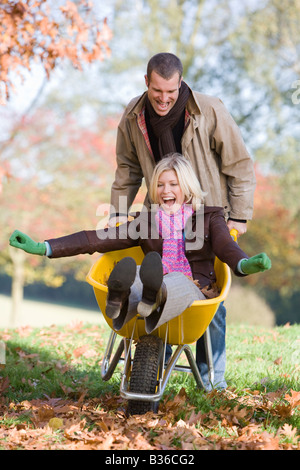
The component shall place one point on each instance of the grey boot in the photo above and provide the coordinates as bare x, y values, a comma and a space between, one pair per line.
154, 289
119, 282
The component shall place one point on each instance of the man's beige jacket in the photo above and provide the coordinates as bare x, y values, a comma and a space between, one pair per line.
211, 141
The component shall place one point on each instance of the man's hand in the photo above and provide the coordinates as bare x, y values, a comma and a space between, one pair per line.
241, 227
24, 242
256, 264
115, 221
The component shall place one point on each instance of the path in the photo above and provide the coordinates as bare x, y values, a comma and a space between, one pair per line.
38, 314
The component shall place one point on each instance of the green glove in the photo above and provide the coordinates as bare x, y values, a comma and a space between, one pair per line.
256, 264
22, 241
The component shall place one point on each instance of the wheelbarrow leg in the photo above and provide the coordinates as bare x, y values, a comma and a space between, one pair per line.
209, 356
108, 366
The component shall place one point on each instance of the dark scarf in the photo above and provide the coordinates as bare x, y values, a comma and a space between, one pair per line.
162, 125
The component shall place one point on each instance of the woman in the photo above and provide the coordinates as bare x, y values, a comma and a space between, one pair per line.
180, 238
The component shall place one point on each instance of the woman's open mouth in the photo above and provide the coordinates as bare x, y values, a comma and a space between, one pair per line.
170, 205
169, 201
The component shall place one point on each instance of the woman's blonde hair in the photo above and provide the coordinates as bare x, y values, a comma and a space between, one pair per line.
187, 179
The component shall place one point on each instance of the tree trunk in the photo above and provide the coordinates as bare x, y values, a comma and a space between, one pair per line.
17, 288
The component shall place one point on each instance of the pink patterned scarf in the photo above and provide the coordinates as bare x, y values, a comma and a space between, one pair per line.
170, 228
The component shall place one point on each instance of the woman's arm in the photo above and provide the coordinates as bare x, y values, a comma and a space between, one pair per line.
228, 251
84, 242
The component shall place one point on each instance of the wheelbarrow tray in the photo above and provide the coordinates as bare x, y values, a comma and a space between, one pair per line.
184, 329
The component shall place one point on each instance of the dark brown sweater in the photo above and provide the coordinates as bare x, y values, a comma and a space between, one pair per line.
212, 239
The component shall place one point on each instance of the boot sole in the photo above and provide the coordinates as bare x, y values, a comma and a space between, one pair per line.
151, 274
119, 281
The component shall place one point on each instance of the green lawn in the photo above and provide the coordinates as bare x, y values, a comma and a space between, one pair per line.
54, 365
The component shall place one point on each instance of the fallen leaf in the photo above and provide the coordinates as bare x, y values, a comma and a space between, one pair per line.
45, 413
80, 350
294, 398
288, 431
55, 423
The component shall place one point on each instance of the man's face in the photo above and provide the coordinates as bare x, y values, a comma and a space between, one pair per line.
163, 93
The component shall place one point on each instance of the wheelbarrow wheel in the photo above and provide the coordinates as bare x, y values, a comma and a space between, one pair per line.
145, 372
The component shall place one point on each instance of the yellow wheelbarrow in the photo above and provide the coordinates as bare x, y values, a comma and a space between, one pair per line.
145, 375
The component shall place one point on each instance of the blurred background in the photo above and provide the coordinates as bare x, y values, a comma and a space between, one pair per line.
68, 69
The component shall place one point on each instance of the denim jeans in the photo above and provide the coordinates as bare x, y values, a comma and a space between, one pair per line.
217, 330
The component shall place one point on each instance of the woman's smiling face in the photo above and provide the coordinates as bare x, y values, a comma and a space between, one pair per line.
169, 192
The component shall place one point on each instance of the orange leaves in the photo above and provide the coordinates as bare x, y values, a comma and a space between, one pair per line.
34, 32
101, 423
84, 351
293, 398
187, 420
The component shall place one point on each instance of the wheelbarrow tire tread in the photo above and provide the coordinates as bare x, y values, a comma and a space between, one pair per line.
144, 374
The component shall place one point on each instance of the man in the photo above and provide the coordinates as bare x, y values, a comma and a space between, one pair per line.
170, 117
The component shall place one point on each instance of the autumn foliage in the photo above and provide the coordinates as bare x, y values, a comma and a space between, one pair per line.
60, 174
275, 228
63, 424
70, 418
34, 30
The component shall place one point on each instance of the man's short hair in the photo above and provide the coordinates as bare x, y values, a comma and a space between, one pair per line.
164, 64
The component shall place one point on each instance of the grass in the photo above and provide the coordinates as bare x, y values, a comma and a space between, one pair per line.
45, 366
268, 358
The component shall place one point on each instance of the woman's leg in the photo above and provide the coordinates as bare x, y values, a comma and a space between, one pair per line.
134, 298
181, 292
151, 274
119, 282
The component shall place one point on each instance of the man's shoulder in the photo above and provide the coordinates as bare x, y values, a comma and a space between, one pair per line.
213, 209
135, 105
205, 103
